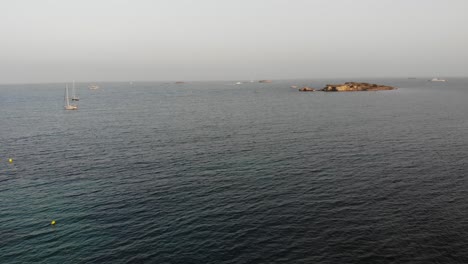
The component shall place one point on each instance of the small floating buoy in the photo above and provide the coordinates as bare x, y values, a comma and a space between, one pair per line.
53, 222
10, 160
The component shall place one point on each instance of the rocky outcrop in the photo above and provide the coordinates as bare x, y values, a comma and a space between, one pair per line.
306, 89
355, 87
265, 81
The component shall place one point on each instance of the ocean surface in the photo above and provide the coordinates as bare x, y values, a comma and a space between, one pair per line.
211, 172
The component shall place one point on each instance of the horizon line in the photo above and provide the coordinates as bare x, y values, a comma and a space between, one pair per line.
225, 80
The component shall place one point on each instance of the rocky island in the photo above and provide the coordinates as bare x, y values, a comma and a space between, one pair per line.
306, 89
355, 87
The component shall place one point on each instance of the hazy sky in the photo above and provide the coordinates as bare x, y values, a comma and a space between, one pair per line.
131, 40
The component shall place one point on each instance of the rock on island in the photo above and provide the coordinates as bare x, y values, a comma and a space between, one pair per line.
306, 89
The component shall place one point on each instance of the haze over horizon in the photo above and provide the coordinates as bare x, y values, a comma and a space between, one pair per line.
122, 40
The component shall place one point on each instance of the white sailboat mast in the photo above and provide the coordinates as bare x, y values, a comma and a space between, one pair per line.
66, 95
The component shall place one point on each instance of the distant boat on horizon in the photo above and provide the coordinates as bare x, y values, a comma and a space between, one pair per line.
68, 106
437, 80
93, 87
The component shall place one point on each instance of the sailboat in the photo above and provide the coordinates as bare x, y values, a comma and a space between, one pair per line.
68, 106
74, 97
437, 80
93, 87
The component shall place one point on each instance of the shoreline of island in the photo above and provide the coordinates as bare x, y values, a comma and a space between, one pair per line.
349, 87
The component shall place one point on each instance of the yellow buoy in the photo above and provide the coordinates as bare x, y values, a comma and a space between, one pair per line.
53, 222
10, 160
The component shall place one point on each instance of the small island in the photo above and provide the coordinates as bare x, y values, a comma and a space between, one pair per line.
355, 87
306, 89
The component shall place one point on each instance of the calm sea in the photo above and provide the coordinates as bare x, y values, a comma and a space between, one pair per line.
210, 172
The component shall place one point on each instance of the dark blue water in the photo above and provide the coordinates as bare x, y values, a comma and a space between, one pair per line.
206, 172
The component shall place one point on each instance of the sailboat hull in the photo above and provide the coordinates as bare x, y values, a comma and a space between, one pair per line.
71, 107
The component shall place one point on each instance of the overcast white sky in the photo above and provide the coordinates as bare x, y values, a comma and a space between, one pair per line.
131, 40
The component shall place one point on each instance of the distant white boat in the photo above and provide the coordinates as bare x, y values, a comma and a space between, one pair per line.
93, 87
237, 83
437, 80
74, 97
68, 106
